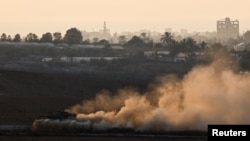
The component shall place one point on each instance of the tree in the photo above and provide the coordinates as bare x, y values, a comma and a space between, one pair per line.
218, 51
188, 45
146, 38
176, 47
95, 40
203, 45
167, 38
246, 36
9, 39
47, 37
122, 39
143, 34
57, 37
245, 61
73, 36
135, 41
17, 38
87, 41
31, 37
104, 42
3, 37
191, 44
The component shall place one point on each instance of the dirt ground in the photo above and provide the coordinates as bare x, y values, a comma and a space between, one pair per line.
25, 95
16, 109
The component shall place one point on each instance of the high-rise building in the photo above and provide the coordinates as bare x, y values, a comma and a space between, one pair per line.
227, 29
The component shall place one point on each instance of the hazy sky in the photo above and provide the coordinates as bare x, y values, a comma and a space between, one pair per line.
40, 16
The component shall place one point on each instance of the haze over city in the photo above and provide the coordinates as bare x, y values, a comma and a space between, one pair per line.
43, 16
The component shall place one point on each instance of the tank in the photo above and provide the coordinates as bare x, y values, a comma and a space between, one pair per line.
60, 115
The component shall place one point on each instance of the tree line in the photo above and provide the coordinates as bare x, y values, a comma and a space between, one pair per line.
72, 36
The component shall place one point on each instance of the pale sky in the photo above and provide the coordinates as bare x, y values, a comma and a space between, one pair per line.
40, 16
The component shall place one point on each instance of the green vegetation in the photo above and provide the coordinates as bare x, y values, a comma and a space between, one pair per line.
131, 59
47, 37
245, 61
73, 36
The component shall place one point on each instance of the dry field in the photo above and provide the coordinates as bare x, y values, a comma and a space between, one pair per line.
25, 96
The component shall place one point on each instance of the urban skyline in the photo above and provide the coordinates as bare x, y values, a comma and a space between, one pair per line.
52, 16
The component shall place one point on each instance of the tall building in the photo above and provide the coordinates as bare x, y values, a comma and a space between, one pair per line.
227, 29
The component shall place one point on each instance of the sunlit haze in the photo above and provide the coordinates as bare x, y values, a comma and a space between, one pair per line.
40, 16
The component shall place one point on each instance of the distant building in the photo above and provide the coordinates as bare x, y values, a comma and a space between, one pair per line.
101, 34
184, 33
168, 30
180, 58
227, 29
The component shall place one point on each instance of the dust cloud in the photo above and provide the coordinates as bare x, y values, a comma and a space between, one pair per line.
211, 94
208, 94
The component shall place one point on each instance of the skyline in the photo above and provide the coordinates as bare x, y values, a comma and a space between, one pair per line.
43, 16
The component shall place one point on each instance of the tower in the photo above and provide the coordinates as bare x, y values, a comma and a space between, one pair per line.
105, 33
104, 28
227, 29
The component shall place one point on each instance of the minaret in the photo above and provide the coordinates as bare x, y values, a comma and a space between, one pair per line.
104, 28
